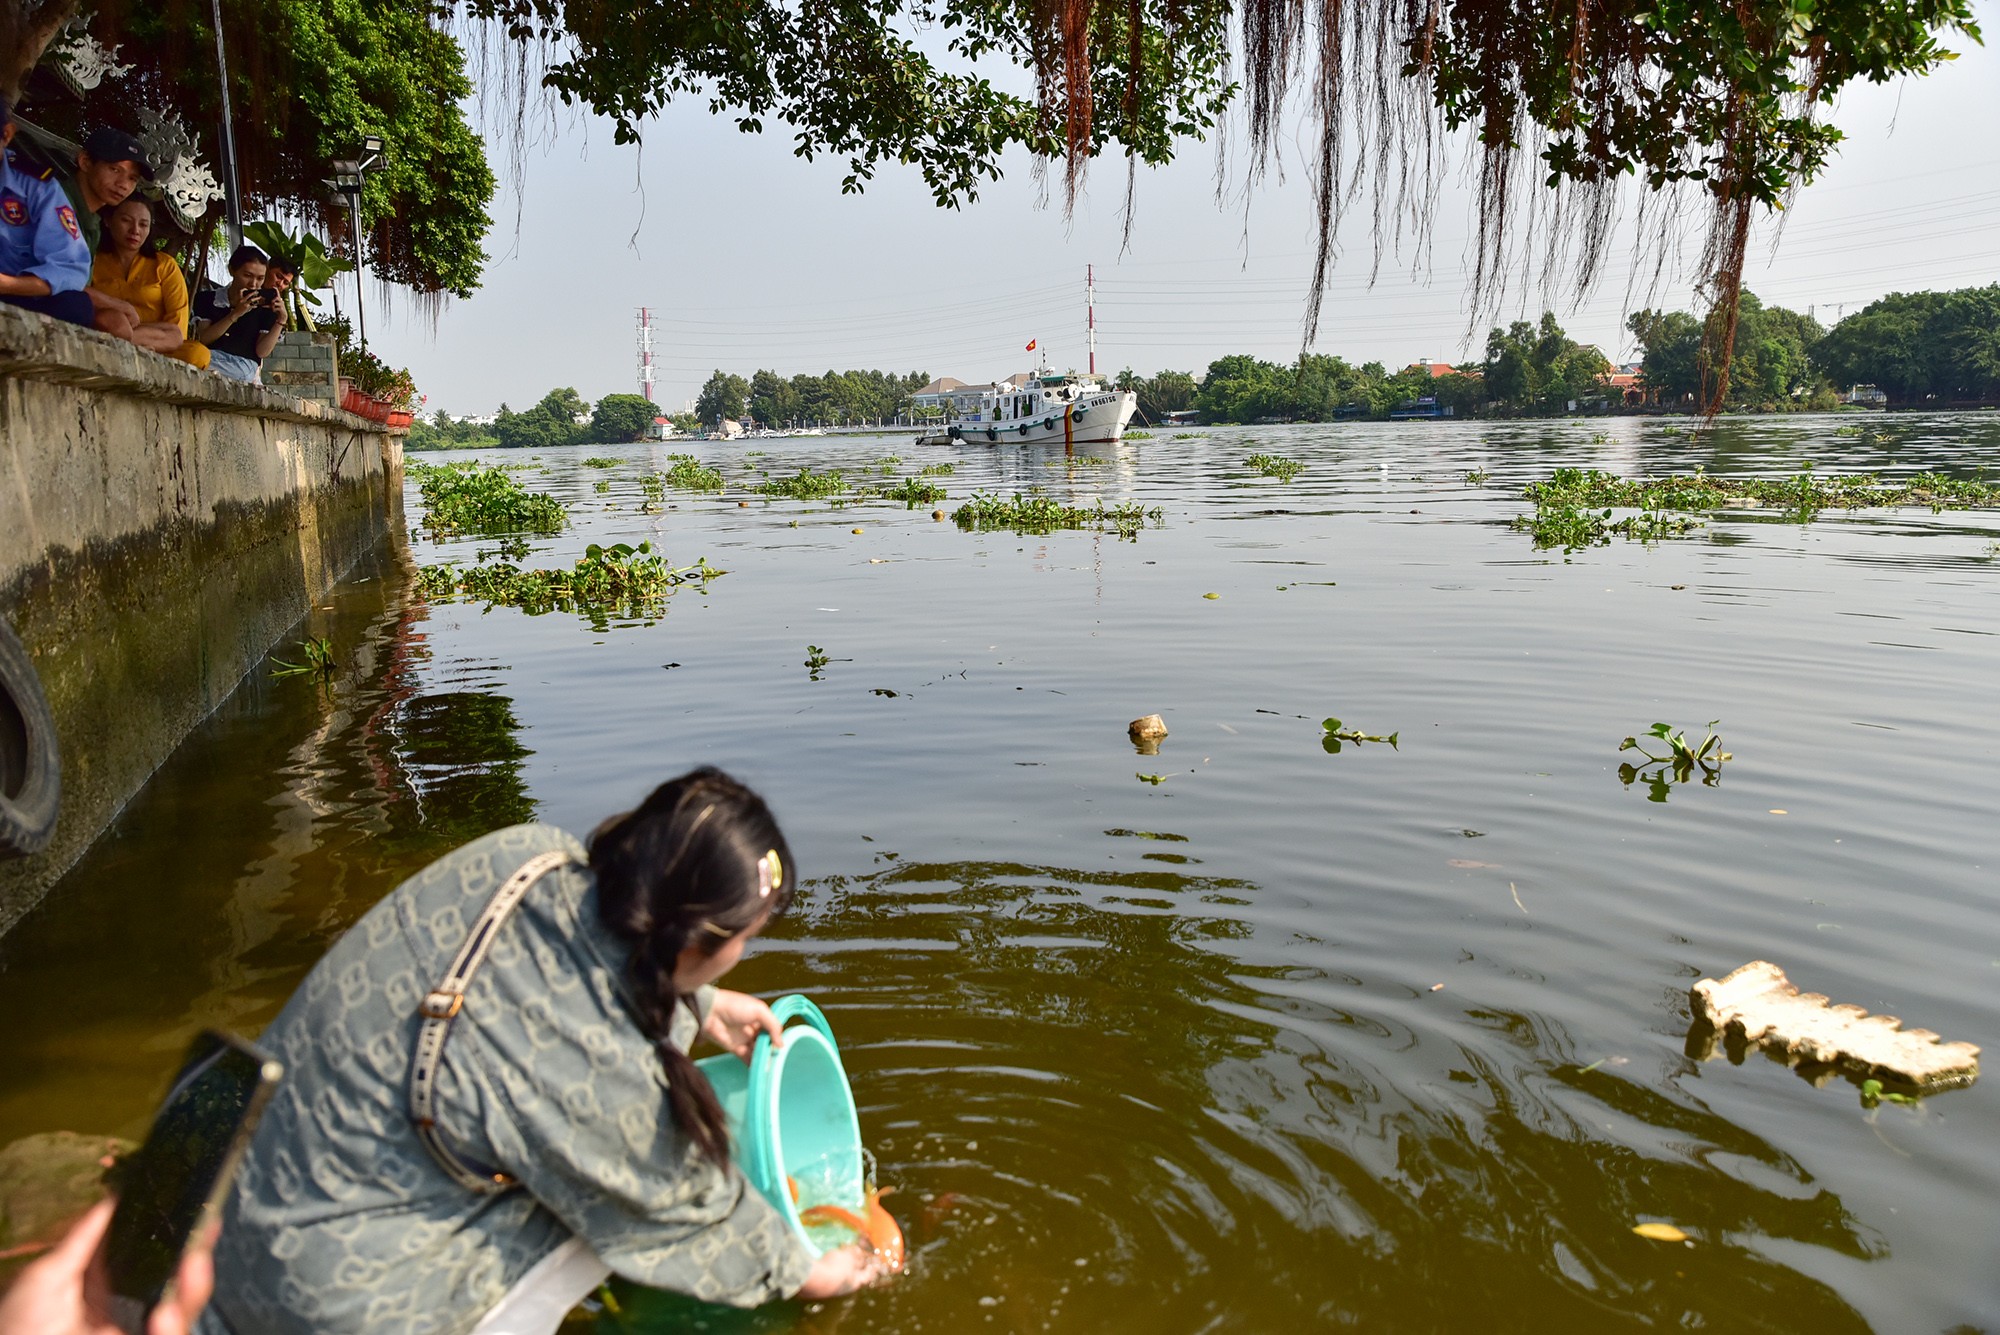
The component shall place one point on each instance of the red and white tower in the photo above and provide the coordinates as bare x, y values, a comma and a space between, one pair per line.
1090, 310
646, 352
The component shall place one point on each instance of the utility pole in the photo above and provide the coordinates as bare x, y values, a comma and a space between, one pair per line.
1090, 311
228, 134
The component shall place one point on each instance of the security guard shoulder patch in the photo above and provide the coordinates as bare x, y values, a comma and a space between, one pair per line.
14, 210
67, 216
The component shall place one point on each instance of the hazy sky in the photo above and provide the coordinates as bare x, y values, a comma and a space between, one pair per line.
751, 258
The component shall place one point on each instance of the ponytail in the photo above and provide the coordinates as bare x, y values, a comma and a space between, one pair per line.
700, 860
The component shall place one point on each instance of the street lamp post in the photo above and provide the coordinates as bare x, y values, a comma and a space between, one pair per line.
350, 175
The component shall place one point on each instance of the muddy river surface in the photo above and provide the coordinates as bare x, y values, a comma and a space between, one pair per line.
1391, 1039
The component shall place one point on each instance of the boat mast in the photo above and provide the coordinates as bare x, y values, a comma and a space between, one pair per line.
1090, 311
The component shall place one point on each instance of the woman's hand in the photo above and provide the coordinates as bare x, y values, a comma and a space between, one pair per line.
735, 1020
239, 300
841, 1271
65, 1292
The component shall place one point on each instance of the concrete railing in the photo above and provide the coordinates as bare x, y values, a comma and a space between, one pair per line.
160, 530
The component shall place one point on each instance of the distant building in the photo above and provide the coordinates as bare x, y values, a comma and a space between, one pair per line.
1868, 395
1629, 383
1435, 370
937, 394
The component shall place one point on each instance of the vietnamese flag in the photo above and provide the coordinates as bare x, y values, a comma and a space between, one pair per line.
1031, 345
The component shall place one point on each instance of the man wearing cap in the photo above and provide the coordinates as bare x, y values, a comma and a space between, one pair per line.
44, 263
109, 167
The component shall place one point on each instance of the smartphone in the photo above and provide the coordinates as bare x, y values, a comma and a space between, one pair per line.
173, 1186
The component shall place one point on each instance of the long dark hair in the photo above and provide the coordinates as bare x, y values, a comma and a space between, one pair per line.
687, 869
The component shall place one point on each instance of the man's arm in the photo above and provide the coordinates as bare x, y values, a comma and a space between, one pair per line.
62, 260
23, 285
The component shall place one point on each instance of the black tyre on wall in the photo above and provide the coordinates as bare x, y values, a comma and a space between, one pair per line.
30, 764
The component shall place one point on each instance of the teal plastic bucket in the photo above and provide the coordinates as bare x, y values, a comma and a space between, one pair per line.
791, 1112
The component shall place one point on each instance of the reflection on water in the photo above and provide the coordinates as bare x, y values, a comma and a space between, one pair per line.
1269, 1044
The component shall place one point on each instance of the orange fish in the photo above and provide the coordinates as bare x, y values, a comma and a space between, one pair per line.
879, 1230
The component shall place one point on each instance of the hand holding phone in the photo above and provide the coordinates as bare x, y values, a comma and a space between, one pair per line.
64, 1292
172, 1188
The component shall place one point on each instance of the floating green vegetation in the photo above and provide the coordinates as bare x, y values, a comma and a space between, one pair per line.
1680, 760
1601, 438
1037, 512
888, 463
1191, 435
1849, 430
1804, 495
806, 485
603, 484
690, 474
1670, 431
1334, 733
1138, 435
318, 661
937, 470
1572, 527
1476, 477
620, 580
914, 491
1155, 779
599, 461
816, 661
1873, 1092
1275, 465
1077, 461
472, 498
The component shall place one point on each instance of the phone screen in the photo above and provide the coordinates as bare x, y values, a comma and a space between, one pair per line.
171, 1183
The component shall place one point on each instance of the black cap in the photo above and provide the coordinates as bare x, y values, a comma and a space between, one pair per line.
109, 144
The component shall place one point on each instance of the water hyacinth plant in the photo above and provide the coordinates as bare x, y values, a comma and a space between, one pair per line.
1036, 513
805, 485
472, 498
1678, 759
690, 474
914, 491
619, 580
1275, 465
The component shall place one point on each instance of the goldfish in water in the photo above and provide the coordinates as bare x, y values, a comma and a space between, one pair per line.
878, 1228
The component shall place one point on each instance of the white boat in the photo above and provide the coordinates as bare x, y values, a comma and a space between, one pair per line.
1048, 408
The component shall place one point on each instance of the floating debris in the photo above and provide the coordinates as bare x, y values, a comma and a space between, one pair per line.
1146, 733
1335, 733
1766, 1008
1660, 1232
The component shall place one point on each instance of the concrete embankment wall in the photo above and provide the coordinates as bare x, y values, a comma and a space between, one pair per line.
160, 530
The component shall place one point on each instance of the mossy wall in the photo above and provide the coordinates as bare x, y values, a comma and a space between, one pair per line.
160, 530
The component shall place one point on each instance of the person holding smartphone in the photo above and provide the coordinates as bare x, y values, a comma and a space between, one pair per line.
64, 1292
488, 1104
240, 323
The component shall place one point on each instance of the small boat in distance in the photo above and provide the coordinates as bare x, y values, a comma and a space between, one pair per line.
1048, 408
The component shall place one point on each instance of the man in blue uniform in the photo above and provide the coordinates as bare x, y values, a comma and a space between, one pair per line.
44, 263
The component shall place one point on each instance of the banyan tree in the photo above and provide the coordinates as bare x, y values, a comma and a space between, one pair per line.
1568, 112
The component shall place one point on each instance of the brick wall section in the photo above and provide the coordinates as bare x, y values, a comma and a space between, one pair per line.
303, 364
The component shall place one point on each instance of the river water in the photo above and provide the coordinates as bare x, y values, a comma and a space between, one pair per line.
1392, 1039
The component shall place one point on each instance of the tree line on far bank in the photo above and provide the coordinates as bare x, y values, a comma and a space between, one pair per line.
1915, 347
562, 417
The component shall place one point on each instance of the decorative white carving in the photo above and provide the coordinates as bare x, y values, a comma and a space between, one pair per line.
185, 182
83, 62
